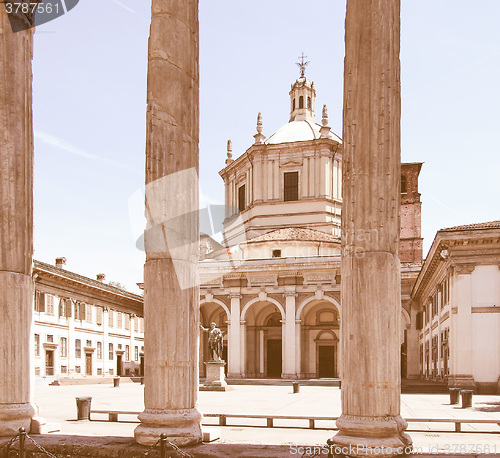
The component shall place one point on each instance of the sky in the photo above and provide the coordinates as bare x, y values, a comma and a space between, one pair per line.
89, 107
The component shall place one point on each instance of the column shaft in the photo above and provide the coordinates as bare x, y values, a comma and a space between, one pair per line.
289, 337
371, 286
233, 348
171, 289
16, 226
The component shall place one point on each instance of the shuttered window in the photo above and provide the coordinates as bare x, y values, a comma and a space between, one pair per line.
291, 183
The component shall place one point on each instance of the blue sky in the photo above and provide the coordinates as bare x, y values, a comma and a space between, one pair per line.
90, 69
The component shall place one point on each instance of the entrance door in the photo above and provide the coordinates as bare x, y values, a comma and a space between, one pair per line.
326, 361
119, 365
49, 362
274, 358
88, 363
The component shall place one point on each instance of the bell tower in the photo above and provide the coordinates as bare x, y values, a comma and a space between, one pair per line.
302, 96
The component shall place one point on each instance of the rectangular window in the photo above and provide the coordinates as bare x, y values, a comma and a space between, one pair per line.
99, 350
49, 305
78, 369
291, 185
39, 301
110, 318
241, 198
126, 317
64, 369
119, 320
136, 354
89, 343
99, 371
37, 344
65, 307
98, 316
88, 313
63, 351
136, 323
111, 352
141, 325
50, 338
78, 348
80, 311
127, 353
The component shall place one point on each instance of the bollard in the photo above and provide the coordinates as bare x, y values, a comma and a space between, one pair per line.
454, 395
22, 440
466, 398
83, 407
116, 382
296, 387
163, 445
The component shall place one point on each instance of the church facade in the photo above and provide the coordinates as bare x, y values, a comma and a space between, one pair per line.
275, 292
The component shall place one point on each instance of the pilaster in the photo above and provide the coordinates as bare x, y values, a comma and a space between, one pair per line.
234, 337
289, 337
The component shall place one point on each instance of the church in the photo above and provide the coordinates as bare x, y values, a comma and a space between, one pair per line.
275, 292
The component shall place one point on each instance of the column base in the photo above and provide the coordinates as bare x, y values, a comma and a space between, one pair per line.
462, 381
383, 437
182, 427
15, 416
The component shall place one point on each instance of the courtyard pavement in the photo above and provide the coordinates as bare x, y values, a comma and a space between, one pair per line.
57, 404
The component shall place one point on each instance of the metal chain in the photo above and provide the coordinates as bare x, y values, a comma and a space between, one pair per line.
178, 450
146, 453
10, 443
39, 447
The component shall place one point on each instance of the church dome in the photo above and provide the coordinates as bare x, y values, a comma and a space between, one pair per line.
298, 131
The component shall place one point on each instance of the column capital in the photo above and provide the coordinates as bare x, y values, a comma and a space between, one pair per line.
290, 294
464, 269
234, 296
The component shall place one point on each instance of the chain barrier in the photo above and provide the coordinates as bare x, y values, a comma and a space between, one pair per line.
39, 447
12, 441
22, 435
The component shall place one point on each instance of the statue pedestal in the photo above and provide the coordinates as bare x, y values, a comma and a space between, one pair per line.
215, 380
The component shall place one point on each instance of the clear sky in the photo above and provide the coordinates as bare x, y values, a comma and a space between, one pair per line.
90, 70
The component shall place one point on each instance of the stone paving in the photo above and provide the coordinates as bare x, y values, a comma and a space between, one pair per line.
57, 404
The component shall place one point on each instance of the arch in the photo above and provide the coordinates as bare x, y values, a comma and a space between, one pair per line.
268, 299
406, 315
309, 103
217, 301
301, 101
329, 332
313, 298
293, 104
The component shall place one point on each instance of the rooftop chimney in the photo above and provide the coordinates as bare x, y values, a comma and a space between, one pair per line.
101, 277
60, 262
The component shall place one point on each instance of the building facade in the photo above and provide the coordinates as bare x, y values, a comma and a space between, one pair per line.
275, 292
84, 327
457, 295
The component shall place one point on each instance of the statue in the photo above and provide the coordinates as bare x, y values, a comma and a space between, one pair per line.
214, 341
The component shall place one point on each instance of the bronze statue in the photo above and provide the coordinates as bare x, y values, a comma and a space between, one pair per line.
214, 341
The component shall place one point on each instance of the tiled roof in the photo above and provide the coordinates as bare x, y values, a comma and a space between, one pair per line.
466, 227
294, 233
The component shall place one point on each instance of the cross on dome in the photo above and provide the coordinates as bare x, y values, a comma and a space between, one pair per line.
302, 65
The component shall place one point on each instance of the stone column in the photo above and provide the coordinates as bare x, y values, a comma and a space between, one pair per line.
171, 291
371, 285
16, 226
289, 369
234, 340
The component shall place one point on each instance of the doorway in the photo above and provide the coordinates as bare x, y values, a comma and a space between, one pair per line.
119, 365
88, 363
326, 361
274, 358
49, 362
